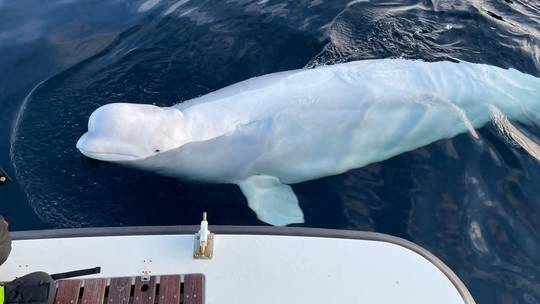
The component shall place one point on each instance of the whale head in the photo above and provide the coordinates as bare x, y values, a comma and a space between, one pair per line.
124, 132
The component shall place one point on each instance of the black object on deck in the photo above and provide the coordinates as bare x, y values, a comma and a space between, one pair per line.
76, 273
5, 240
33, 288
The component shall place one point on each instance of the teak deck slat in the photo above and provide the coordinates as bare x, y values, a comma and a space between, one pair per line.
130, 290
119, 290
68, 292
169, 289
193, 289
145, 293
94, 291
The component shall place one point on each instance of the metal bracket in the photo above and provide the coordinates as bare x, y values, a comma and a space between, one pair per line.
204, 242
145, 276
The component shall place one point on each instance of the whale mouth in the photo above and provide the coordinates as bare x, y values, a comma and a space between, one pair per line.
109, 157
87, 146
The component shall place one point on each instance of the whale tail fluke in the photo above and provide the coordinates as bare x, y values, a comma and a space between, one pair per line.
273, 202
516, 94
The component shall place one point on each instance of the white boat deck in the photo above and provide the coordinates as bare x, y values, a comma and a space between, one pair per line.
252, 267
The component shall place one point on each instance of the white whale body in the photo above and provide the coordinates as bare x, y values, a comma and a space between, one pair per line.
284, 128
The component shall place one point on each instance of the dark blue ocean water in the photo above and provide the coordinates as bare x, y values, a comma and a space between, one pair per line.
475, 203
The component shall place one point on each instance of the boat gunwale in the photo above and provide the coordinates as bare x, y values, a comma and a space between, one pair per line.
250, 230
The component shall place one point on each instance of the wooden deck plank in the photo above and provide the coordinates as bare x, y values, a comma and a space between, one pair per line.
119, 290
68, 292
94, 291
169, 289
145, 293
194, 289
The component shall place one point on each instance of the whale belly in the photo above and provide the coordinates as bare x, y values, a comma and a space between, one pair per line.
306, 147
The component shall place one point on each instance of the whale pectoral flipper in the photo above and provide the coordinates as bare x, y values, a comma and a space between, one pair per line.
273, 202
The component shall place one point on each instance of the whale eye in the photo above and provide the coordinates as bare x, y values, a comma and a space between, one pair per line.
157, 150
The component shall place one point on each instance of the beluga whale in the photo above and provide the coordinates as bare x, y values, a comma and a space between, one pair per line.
268, 132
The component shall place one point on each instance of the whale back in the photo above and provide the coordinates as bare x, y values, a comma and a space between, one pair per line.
331, 119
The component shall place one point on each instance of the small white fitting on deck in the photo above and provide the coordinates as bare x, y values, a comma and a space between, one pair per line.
204, 241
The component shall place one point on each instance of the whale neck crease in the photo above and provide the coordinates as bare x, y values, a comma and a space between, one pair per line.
207, 121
